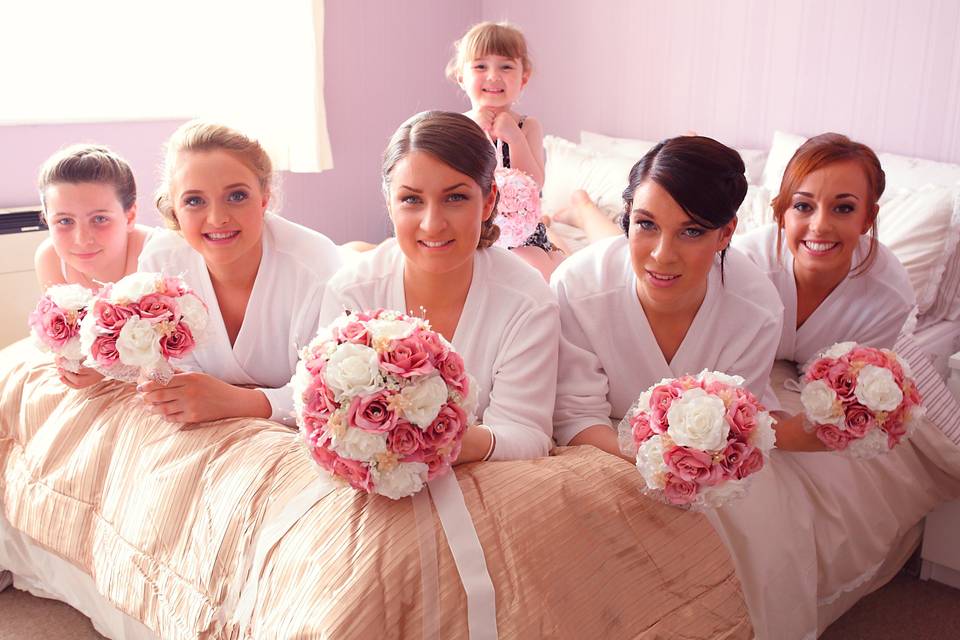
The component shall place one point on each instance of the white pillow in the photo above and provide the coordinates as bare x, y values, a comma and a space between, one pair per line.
753, 159
901, 172
755, 211
571, 166
922, 227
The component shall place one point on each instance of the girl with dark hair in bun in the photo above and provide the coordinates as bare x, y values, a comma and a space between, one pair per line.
666, 298
438, 180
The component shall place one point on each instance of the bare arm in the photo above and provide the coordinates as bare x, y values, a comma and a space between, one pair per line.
46, 262
526, 145
602, 437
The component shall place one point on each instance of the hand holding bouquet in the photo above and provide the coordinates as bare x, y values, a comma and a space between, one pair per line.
860, 400
136, 326
382, 402
697, 439
55, 323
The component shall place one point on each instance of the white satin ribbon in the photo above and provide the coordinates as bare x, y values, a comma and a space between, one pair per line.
429, 573
467, 555
268, 538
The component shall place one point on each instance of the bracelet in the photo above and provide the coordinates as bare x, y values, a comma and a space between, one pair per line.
493, 442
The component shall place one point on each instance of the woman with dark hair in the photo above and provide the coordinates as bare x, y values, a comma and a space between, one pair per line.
836, 281
666, 298
497, 311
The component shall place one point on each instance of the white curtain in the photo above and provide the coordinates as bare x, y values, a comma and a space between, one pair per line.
252, 64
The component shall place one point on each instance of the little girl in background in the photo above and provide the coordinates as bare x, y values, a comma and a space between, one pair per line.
492, 66
89, 201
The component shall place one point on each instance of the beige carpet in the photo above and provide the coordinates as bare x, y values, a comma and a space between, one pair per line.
905, 609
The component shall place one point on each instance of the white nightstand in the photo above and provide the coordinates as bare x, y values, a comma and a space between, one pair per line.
941, 533
18, 279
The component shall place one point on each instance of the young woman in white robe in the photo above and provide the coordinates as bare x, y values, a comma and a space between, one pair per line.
836, 281
496, 310
261, 276
665, 299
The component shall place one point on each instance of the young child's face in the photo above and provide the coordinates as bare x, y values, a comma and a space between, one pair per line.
88, 226
219, 206
493, 81
437, 213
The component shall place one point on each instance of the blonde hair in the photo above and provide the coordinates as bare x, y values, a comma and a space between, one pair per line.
198, 135
82, 163
489, 38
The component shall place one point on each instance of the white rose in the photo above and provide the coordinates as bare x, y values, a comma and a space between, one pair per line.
870, 445
763, 437
650, 462
643, 402
406, 479
70, 297
470, 403
134, 286
696, 420
358, 444
88, 333
138, 343
193, 312
71, 350
839, 349
821, 403
877, 389
390, 329
723, 378
915, 416
353, 369
421, 402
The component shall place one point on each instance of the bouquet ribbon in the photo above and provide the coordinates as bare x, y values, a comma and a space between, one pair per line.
457, 527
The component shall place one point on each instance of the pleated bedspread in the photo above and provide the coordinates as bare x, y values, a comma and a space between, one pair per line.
166, 522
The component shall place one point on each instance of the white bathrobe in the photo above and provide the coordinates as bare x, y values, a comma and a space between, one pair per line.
281, 315
609, 355
870, 308
507, 335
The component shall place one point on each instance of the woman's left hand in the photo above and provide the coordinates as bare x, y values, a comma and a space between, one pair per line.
198, 397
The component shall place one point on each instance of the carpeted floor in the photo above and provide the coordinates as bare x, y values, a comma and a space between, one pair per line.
905, 609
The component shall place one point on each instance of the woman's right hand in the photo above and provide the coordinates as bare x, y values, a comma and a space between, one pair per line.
79, 380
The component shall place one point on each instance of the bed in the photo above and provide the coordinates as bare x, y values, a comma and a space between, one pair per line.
226, 531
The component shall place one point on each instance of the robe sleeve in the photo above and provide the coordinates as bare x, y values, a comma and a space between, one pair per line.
520, 408
582, 383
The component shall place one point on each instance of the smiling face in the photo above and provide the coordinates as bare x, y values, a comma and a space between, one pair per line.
493, 81
671, 253
437, 213
219, 205
827, 214
89, 227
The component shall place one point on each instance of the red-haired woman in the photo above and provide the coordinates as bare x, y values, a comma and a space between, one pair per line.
836, 281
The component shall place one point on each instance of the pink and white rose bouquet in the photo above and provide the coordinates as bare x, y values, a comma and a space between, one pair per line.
860, 400
55, 323
698, 439
138, 325
518, 207
382, 402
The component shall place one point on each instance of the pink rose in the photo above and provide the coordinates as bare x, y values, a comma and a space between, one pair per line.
178, 343
434, 344
436, 464
742, 416
319, 398
372, 413
680, 491
751, 462
405, 440
640, 427
313, 427
110, 316
819, 369
173, 287
689, 464
56, 330
449, 424
732, 457
912, 394
858, 419
355, 332
104, 350
316, 364
833, 437
660, 400
407, 358
453, 372
868, 355
841, 379
895, 429
355, 472
155, 305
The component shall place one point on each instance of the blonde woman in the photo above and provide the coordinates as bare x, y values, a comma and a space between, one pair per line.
261, 276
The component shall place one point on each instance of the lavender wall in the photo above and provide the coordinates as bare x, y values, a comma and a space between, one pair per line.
383, 62
886, 72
